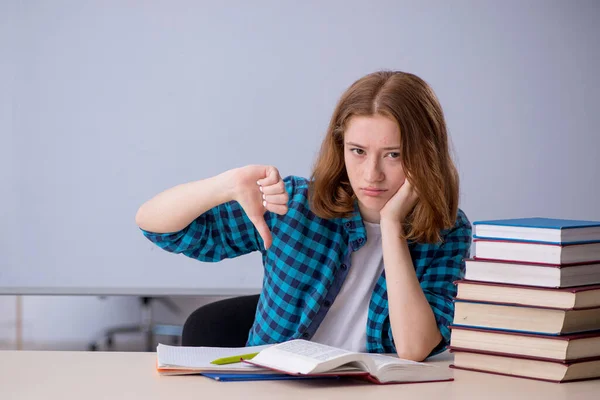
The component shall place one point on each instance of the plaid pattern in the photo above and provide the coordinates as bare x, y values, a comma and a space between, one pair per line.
308, 261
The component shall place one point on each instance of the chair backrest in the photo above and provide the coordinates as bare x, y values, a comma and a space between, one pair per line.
224, 323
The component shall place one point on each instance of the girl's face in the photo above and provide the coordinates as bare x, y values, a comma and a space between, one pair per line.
373, 164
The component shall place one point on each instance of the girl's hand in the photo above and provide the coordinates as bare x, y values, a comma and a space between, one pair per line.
259, 188
400, 204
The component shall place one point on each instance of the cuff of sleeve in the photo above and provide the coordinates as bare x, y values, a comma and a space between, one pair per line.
162, 239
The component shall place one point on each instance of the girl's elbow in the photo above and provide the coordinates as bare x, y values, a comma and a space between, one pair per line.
139, 217
418, 350
412, 354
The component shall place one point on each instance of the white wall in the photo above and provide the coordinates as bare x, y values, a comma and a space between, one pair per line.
517, 79
72, 323
6, 157
7, 143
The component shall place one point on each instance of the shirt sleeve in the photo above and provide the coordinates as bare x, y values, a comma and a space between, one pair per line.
448, 266
224, 231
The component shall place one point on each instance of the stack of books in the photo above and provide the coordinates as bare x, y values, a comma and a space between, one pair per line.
529, 305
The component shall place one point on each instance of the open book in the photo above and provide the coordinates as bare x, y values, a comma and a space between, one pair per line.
301, 357
179, 360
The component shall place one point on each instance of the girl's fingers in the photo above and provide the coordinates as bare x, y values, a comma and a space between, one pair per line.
277, 188
272, 177
277, 208
263, 230
281, 199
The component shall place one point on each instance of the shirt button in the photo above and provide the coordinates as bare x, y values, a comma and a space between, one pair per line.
360, 240
348, 225
327, 303
344, 267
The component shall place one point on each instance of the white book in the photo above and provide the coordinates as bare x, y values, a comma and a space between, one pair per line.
180, 360
532, 274
536, 252
529, 367
301, 357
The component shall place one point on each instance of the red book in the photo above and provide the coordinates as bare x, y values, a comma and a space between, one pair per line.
527, 367
534, 274
572, 298
533, 252
573, 347
543, 320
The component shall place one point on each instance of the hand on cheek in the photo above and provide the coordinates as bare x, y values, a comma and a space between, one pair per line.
400, 204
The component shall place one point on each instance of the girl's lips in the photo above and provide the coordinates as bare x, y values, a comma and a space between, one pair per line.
373, 192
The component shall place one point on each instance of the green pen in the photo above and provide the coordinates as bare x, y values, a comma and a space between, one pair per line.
233, 359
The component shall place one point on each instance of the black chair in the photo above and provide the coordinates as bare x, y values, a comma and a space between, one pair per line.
224, 323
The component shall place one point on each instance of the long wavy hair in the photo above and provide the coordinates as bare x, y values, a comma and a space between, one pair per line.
425, 154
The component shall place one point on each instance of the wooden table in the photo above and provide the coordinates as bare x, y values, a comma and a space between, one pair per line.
115, 375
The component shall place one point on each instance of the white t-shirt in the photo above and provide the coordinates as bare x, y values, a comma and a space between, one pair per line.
345, 324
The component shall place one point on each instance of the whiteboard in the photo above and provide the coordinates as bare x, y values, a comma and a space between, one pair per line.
108, 103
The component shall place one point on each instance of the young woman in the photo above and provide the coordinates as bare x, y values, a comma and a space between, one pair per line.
363, 254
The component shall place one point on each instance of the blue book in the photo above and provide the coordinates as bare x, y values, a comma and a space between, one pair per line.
540, 230
232, 377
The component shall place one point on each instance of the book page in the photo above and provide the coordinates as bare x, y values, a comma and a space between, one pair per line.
316, 351
200, 357
394, 369
382, 361
299, 356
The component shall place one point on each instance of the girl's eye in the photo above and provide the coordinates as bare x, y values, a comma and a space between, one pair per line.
394, 155
360, 152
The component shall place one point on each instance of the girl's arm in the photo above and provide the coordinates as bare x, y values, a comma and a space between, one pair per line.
420, 310
256, 188
414, 327
175, 208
